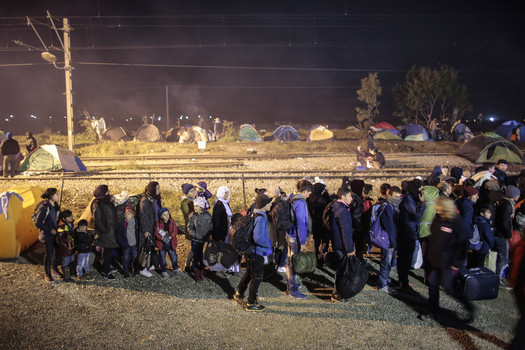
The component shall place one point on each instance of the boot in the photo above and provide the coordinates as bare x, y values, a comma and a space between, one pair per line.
201, 272
67, 277
197, 275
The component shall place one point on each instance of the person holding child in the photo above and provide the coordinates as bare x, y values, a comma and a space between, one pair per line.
127, 234
166, 232
83, 241
66, 243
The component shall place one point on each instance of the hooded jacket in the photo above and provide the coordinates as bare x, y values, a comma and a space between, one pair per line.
341, 230
300, 213
486, 234
409, 216
261, 238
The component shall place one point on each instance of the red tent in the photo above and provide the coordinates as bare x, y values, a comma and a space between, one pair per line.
385, 125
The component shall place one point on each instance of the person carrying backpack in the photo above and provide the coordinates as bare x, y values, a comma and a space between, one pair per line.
341, 232
262, 247
296, 236
316, 204
279, 226
200, 227
150, 205
47, 212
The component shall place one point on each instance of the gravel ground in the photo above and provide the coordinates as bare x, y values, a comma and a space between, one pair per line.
179, 313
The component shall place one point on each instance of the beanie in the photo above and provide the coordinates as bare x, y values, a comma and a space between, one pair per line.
129, 209
470, 191
162, 211
262, 200
9, 135
186, 188
512, 191
201, 202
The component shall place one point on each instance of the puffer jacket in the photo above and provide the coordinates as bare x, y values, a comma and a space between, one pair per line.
200, 226
65, 241
173, 232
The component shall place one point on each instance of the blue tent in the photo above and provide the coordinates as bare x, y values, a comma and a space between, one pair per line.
414, 132
505, 129
286, 133
461, 133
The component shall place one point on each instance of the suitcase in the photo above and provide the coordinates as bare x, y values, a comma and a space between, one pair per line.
478, 283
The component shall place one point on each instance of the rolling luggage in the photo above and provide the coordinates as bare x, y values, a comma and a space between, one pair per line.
478, 283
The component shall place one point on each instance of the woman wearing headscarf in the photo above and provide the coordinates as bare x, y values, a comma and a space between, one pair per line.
150, 204
105, 224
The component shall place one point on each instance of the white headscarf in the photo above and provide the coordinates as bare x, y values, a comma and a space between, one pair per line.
220, 197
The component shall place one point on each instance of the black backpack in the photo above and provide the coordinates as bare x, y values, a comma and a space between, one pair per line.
38, 208
281, 215
242, 237
328, 216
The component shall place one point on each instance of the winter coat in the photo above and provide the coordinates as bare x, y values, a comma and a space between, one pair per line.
83, 241
500, 175
389, 220
9, 146
280, 221
409, 216
173, 232
220, 222
187, 208
431, 195
261, 238
316, 204
301, 222
65, 241
448, 244
200, 226
356, 209
486, 234
503, 219
105, 224
47, 220
147, 217
341, 231
122, 236
466, 210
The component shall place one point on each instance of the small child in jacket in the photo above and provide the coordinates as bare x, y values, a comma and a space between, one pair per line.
166, 232
200, 226
127, 237
83, 240
66, 243
486, 236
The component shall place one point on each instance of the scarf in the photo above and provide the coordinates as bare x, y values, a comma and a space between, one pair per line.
220, 197
395, 201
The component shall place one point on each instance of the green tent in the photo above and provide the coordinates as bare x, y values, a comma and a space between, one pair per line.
52, 158
431, 196
248, 133
485, 148
386, 135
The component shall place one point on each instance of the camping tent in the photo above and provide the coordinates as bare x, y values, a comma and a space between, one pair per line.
319, 133
484, 148
52, 158
286, 133
148, 133
173, 134
115, 134
505, 129
414, 132
2, 135
385, 126
192, 135
248, 133
387, 134
460, 133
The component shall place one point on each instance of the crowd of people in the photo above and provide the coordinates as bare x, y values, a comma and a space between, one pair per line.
456, 220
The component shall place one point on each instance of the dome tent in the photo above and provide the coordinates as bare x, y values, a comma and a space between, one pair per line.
173, 134
52, 158
319, 133
460, 133
286, 133
387, 135
505, 129
483, 148
192, 135
148, 133
248, 133
115, 134
414, 132
385, 126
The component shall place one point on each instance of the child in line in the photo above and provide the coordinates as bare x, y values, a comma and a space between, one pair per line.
127, 237
65, 242
83, 241
200, 226
166, 241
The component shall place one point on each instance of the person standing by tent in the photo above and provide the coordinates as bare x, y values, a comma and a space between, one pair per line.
46, 220
150, 205
31, 143
9, 148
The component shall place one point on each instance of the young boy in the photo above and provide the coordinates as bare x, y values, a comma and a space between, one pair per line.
127, 237
65, 242
200, 226
83, 242
166, 241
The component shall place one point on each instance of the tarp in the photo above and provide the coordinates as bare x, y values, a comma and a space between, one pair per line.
286, 133
192, 135
385, 125
319, 133
505, 129
484, 148
414, 132
387, 134
148, 133
460, 133
248, 133
52, 158
115, 134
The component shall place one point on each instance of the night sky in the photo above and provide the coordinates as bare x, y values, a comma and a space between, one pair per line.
256, 62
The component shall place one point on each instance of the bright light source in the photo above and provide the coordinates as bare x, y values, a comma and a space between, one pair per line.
492, 119
199, 116
6, 119
50, 117
186, 117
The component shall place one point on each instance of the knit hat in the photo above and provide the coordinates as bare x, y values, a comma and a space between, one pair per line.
262, 200
186, 188
9, 135
470, 191
512, 191
275, 191
204, 186
162, 211
129, 209
201, 202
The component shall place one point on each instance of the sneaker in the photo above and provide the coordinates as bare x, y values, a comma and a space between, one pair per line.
151, 268
221, 274
336, 298
238, 296
177, 272
146, 273
49, 279
504, 284
281, 269
165, 274
297, 295
254, 307
388, 290
113, 270
110, 277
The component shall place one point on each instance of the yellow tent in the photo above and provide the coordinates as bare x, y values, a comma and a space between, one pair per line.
319, 133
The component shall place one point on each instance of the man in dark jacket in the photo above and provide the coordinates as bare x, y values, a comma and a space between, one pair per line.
281, 222
503, 229
316, 205
9, 148
465, 206
341, 231
501, 171
31, 143
411, 210
149, 207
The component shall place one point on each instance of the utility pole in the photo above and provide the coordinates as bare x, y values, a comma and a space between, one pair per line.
167, 111
69, 84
